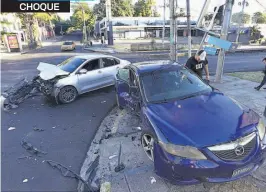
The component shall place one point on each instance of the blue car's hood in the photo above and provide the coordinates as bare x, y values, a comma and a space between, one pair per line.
201, 121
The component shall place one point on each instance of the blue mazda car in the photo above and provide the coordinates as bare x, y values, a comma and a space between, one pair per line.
191, 131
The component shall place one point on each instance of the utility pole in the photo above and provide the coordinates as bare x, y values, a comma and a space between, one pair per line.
224, 33
164, 6
172, 31
109, 23
189, 28
84, 26
243, 3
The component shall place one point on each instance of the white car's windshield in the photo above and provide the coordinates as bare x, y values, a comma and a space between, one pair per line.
71, 64
68, 43
172, 84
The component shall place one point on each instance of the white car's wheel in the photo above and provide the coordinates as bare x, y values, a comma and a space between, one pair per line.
67, 94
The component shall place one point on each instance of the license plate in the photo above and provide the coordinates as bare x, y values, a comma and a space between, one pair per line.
242, 170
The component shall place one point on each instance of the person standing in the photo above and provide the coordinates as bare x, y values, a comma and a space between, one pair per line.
263, 82
199, 62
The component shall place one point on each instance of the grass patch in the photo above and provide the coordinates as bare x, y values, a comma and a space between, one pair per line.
251, 76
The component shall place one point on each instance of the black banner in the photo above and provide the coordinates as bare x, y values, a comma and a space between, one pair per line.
35, 6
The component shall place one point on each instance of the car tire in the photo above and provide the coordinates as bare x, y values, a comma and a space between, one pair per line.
67, 94
148, 147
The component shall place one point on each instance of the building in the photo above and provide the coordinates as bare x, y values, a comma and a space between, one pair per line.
143, 27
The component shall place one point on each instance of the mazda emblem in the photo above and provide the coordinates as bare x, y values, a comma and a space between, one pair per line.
239, 150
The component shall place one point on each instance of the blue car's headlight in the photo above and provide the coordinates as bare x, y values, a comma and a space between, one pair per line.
182, 151
261, 129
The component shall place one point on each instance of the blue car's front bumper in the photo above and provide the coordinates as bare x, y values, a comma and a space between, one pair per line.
185, 171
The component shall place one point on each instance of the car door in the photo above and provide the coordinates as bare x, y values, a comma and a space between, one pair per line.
110, 68
93, 78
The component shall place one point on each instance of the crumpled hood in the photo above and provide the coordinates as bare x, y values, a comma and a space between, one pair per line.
50, 71
202, 120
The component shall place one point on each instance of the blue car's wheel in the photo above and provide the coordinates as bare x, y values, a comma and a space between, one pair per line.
147, 142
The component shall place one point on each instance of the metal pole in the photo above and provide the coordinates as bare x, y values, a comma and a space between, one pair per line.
224, 33
164, 6
172, 30
240, 20
84, 26
189, 28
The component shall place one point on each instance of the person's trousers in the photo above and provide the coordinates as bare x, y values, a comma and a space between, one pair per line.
263, 82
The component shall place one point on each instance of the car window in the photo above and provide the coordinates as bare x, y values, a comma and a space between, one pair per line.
71, 64
67, 43
123, 74
108, 62
92, 65
172, 84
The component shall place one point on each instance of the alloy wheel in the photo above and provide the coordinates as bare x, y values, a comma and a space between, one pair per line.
148, 145
67, 94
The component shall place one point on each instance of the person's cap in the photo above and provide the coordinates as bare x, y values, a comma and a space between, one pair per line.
202, 55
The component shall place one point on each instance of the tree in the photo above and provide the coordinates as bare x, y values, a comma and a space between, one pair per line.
245, 18
143, 8
119, 8
259, 18
81, 12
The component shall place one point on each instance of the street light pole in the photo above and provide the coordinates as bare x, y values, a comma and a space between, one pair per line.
164, 6
244, 3
172, 30
189, 28
84, 26
224, 33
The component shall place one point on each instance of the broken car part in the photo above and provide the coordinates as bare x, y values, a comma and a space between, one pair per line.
120, 166
31, 149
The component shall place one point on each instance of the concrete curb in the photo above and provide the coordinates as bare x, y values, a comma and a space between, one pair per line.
94, 148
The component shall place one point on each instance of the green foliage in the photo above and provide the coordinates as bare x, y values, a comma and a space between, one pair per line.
143, 8
259, 18
245, 18
119, 8
81, 12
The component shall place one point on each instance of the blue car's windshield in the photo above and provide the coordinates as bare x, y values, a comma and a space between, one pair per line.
172, 84
71, 64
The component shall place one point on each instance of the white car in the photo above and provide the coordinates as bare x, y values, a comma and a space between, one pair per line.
78, 75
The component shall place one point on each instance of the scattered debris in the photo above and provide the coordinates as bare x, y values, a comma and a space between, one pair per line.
66, 172
15, 113
25, 180
120, 166
153, 180
19, 92
108, 130
32, 178
38, 129
103, 102
93, 115
95, 142
96, 152
133, 138
107, 136
33, 150
54, 127
25, 157
112, 156
11, 128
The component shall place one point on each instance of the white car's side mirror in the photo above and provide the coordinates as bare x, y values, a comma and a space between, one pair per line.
83, 71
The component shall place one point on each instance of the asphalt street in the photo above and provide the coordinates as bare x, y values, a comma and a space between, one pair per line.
66, 130
63, 132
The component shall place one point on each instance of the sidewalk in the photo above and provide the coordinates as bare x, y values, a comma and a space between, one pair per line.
27, 50
121, 129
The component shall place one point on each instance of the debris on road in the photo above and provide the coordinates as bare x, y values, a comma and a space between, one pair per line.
54, 127
32, 150
112, 156
103, 102
38, 129
19, 92
66, 172
133, 138
120, 166
153, 180
25, 180
25, 157
11, 128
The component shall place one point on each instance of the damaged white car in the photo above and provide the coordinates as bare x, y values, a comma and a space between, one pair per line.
78, 75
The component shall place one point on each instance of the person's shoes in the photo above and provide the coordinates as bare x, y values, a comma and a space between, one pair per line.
257, 88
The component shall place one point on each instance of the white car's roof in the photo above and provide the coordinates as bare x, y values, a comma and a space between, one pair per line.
93, 56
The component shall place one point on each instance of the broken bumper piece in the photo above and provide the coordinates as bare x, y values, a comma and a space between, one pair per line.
183, 171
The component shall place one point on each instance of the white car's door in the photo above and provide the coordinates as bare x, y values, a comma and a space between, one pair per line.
93, 78
110, 67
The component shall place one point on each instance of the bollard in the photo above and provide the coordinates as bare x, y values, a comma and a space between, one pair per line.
120, 166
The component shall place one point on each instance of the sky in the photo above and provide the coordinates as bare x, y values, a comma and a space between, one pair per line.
196, 6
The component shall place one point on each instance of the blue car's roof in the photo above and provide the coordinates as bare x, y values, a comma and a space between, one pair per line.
149, 66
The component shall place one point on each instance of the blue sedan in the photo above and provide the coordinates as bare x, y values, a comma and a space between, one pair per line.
192, 131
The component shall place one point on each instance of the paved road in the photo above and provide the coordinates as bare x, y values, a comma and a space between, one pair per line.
74, 124
67, 133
